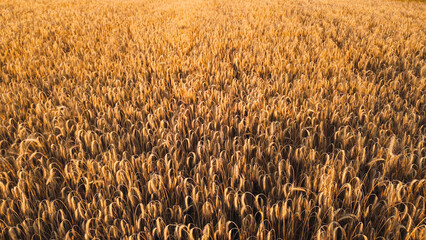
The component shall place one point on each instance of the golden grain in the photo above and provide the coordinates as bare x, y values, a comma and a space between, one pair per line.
276, 119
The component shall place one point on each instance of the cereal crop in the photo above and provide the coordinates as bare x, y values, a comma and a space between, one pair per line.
212, 119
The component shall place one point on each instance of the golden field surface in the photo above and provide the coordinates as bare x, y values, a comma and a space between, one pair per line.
214, 119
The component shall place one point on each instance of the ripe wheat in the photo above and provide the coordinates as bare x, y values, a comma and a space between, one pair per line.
190, 119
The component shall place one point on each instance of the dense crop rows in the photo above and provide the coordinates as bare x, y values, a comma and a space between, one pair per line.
212, 119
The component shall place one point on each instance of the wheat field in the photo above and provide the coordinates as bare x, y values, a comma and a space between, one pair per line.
212, 119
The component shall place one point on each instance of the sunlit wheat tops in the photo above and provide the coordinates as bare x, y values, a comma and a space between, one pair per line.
276, 119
